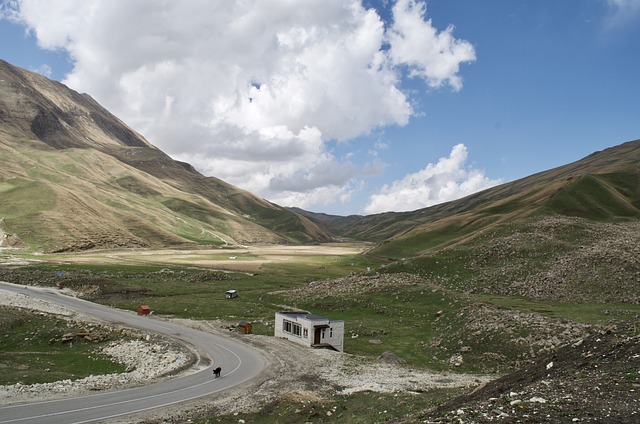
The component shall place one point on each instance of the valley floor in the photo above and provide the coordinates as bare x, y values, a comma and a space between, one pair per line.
239, 259
296, 373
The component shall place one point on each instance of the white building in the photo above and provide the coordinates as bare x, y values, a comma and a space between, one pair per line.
310, 330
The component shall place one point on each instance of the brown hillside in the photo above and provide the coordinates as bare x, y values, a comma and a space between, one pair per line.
602, 186
74, 176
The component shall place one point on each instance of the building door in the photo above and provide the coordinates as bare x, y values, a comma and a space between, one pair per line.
316, 336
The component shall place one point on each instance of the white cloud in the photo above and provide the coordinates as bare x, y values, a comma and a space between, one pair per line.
622, 13
250, 91
44, 70
447, 180
9, 10
433, 56
318, 197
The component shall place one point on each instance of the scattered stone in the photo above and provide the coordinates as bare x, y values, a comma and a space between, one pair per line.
390, 358
456, 360
67, 337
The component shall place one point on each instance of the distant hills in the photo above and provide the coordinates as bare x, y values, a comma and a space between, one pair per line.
603, 186
75, 177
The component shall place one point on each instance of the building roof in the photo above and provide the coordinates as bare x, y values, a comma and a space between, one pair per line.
306, 315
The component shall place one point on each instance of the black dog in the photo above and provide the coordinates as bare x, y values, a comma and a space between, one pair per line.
216, 372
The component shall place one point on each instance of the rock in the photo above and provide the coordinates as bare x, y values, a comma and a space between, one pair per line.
67, 337
456, 360
390, 358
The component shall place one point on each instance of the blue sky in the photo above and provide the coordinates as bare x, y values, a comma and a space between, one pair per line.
350, 107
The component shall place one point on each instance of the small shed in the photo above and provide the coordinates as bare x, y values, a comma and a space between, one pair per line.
245, 327
231, 294
144, 310
310, 330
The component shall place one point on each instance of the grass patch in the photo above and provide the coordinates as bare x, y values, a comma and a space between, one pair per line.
588, 313
188, 291
599, 197
26, 197
393, 313
28, 356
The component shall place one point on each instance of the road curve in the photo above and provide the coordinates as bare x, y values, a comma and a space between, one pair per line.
239, 363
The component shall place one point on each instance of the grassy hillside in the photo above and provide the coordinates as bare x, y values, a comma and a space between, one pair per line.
74, 176
560, 259
291, 227
600, 196
602, 187
81, 198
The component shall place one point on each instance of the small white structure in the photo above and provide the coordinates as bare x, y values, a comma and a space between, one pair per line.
310, 330
230, 294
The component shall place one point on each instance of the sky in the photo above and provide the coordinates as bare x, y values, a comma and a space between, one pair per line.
349, 106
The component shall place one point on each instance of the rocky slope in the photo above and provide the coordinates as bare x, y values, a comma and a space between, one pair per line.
594, 380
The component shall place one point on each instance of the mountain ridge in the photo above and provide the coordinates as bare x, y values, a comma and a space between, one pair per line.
54, 140
602, 185
98, 183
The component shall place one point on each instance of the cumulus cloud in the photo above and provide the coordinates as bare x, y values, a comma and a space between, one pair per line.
251, 91
447, 180
433, 56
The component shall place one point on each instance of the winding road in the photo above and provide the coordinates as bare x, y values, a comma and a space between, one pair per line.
239, 363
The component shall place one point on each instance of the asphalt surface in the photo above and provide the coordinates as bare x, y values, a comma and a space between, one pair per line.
239, 363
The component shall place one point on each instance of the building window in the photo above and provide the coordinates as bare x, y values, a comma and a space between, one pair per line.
331, 332
291, 328
297, 330
305, 333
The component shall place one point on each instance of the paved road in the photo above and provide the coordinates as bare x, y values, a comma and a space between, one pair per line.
239, 363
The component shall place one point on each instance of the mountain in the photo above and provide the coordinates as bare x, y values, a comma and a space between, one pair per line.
601, 187
75, 177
